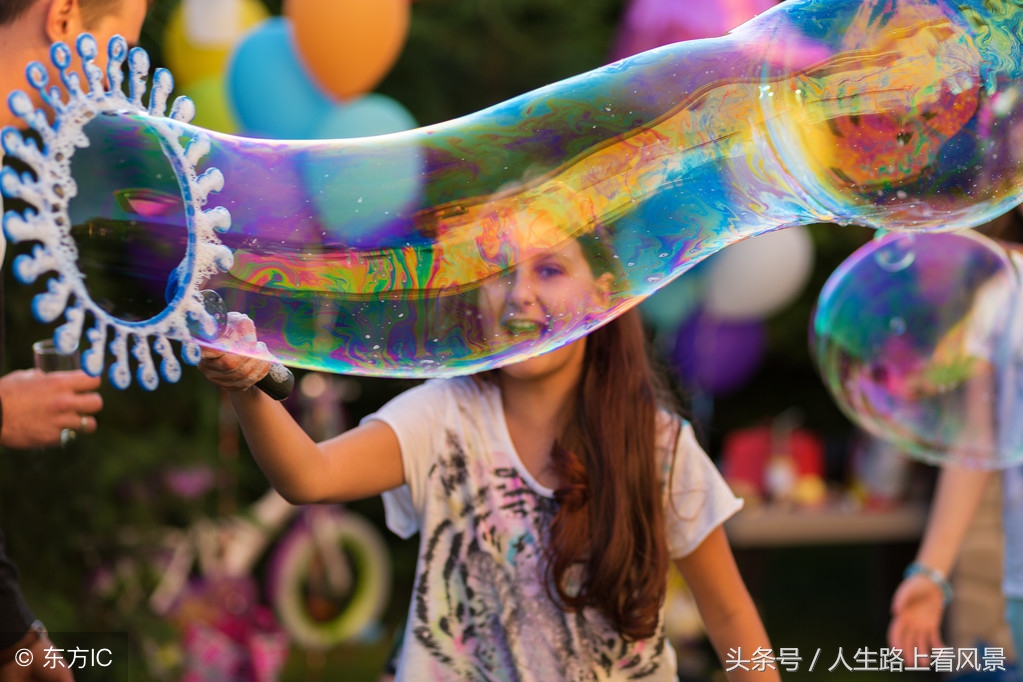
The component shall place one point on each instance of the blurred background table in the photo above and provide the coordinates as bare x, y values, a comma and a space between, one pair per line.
778, 526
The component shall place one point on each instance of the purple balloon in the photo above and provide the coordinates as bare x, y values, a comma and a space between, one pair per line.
719, 356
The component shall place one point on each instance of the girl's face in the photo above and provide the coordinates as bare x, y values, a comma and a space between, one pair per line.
547, 291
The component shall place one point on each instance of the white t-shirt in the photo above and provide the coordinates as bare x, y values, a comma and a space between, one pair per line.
479, 609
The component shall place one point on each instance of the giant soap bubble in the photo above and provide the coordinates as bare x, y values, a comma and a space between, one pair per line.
888, 113
920, 340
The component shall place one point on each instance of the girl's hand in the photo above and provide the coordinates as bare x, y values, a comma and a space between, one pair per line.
247, 361
917, 608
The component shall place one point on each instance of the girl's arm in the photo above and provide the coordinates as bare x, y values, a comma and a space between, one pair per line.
727, 610
361, 462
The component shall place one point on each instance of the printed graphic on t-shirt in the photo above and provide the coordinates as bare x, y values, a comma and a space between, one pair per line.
481, 608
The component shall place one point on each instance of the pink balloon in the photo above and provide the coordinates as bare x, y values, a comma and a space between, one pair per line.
651, 23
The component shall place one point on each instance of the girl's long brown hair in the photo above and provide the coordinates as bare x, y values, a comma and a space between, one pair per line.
609, 520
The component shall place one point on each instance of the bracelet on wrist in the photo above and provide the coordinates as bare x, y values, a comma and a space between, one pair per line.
932, 574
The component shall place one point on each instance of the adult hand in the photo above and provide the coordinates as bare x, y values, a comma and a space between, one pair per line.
42, 666
245, 364
37, 406
917, 607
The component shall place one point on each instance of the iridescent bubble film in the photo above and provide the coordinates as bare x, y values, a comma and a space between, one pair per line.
375, 255
920, 340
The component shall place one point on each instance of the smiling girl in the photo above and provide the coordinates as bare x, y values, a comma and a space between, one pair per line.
550, 495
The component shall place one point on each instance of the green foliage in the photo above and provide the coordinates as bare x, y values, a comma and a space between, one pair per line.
464, 56
63, 511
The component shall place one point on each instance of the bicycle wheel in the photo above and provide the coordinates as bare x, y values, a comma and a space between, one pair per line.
312, 616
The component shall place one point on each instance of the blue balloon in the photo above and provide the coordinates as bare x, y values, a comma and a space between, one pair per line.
371, 195
269, 90
372, 114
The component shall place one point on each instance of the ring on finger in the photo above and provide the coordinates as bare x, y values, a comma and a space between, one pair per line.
84, 423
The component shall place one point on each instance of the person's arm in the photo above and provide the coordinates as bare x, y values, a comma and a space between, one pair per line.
729, 615
36, 406
20, 630
361, 462
919, 602
44, 662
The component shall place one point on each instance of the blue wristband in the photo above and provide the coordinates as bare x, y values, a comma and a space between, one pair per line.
933, 575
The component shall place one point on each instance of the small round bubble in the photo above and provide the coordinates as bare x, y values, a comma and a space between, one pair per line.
928, 356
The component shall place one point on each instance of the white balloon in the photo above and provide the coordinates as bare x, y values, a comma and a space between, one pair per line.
213, 24
759, 276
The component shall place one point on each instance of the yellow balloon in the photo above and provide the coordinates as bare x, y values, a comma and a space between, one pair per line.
212, 110
192, 58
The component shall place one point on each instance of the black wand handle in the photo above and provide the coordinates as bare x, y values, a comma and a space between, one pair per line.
278, 382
